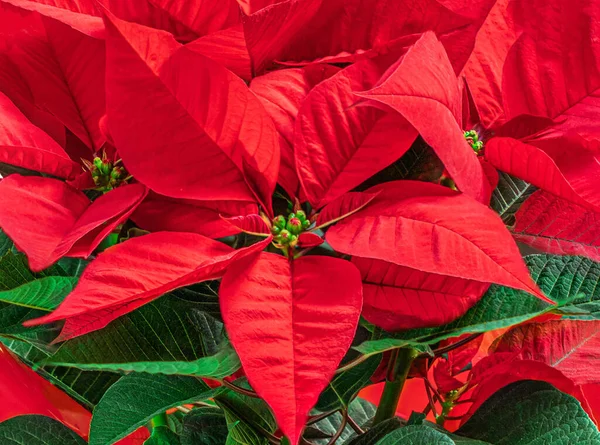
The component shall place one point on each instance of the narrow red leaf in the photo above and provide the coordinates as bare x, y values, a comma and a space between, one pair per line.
48, 219
434, 229
228, 47
448, 371
335, 138
281, 93
137, 271
252, 224
252, 6
555, 225
63, 67
159, 213
398, 298
343, 207
565, 345
22, 144
226, 145
291, 322
423, 88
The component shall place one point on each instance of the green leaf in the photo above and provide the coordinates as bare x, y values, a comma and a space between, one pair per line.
205, 295
204, 426
416, 435
537, 414
246, 417
162, 330
137, 398
37, 430
509, 195
44, 294
162, 435
377, 433
222, 364
381, 345
346, 385
5, 243
362, 413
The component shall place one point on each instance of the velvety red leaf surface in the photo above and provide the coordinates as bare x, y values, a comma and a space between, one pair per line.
433, 229
48, 219
252, 224
282, 92
423, 88
555, 225
25, 145
447, 369
568, 346
343, 207
309, 239
399, 298
291, 323
159, 213
335, 138
137, 271
62, 67
168, 99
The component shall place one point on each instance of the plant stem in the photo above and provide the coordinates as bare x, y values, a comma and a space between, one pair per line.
159, 420
398, 368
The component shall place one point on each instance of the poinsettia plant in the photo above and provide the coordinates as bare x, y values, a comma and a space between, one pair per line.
309, 222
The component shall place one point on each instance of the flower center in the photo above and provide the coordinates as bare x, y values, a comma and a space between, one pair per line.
286, 230
472, 137
106, 175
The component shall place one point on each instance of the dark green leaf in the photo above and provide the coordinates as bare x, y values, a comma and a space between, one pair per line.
162, 435
509, 195
44, 294
378, 346
204, 426
377, 433
159, 331
222, 364
531, 413
5, 243
416, 435
136, 398
37, 430
346, 385
205, 295
247, 418
360, 410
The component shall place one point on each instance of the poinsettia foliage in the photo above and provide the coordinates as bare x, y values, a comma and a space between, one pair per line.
314, 222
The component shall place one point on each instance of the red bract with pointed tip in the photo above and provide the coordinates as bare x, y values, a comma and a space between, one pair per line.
318, 184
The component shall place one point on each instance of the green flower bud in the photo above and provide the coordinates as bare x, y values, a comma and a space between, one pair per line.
284, 235
98, 163
301, 215
306, 224
279, 221
275, 230
294, 226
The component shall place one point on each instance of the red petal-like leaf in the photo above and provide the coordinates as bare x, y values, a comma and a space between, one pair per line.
63, 67
137, 271
308, 239
343, 207
565, 167
554, 225
252, 224
198, 131
24, 145
48, 219
447, 369
398, 298
202, 16
228, 47
566, 345
282, 92
335, 139
299, 31
434, 229
291, 322
423, 88
157, 213
565, 51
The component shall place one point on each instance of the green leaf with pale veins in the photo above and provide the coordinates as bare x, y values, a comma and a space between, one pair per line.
509, 195
531, 413
222, 364
416, 435
346, 385
137, 398
44, 294
37, 430
361, 411
162, 435
378, 432
5, 243
204, 426
160, 331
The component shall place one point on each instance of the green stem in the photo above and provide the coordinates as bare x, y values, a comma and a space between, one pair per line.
400, 363
159, 420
